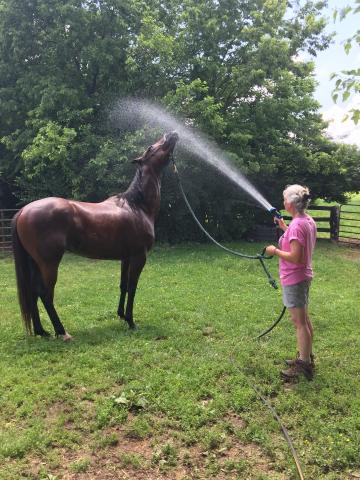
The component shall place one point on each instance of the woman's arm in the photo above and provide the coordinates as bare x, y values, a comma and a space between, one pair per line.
295, 255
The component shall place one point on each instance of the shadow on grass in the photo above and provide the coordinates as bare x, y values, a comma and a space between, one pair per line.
119, 331
114, 332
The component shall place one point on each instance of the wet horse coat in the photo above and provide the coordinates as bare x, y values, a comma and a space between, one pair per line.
119, 228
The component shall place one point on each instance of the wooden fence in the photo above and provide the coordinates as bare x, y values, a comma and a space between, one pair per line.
5, 230
327, 220
338, 223
349, 223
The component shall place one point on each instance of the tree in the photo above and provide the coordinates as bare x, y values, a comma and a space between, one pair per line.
61, 62
348, 81
228, 68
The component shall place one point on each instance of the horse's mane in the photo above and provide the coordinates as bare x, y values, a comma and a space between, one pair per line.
134, 194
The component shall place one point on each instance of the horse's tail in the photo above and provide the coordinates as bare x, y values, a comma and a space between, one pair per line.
23, 275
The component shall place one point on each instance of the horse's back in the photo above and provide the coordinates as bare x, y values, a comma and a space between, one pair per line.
107, 230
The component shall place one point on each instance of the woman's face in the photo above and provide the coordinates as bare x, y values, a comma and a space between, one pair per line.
288, 206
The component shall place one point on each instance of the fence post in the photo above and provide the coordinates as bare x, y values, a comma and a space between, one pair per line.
2, 225
334, 223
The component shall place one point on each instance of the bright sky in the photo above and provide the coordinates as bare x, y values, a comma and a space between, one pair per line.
334, 59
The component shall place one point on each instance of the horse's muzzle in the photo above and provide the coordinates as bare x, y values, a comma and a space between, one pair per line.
170, 140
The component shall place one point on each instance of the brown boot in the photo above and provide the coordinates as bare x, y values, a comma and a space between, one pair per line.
292, 361
299, 368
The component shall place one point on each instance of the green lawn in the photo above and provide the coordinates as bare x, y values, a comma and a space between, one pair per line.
173, 399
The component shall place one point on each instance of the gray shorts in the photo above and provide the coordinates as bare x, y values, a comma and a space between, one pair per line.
296, 295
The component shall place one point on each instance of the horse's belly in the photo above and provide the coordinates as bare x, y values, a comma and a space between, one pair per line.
116, 243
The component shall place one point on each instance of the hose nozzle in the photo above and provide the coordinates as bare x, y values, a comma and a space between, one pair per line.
275, 213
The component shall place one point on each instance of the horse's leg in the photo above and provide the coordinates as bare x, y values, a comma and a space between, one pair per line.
135, 268
49, 276
38, 328
36, 288
123, 287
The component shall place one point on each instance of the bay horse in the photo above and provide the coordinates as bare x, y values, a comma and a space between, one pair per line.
119, 228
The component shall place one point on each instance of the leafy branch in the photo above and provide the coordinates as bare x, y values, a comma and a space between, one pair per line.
348, 81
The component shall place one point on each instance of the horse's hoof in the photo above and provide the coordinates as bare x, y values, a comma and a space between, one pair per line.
132, 326
43, 334
66, 337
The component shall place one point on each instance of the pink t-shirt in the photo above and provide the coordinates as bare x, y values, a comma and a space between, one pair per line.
302, 229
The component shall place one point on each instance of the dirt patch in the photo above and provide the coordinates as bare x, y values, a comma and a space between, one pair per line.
236, 422
351, 253
55, 411
153, 458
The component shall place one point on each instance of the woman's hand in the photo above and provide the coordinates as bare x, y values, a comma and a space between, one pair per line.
270, 250
281, 223
296, 254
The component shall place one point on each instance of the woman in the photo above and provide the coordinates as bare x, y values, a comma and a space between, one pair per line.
295, 253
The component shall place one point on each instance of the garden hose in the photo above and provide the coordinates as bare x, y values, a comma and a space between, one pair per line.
260, 256
268, 330
282, 426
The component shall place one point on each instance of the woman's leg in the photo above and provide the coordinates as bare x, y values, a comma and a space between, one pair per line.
304, 331
309, 324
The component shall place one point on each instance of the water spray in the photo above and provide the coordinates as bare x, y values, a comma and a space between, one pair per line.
130, 111
139, 112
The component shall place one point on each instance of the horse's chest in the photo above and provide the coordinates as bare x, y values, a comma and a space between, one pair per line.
138, 233
131, 238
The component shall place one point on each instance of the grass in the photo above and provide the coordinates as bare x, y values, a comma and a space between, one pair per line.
173, 399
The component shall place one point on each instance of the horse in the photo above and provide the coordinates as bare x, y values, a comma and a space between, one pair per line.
118, 228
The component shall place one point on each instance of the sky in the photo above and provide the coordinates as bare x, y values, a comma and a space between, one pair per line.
334, 59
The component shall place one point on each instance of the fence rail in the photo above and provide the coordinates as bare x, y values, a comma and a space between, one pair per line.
349, 229
330, 217
334, 223
6, 216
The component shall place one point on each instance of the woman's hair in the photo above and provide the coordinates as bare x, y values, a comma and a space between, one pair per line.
299, 196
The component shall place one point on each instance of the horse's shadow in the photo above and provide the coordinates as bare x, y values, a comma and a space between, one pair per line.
117, 330
109, 331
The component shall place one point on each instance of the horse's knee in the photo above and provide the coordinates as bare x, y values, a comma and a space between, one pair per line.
131, 291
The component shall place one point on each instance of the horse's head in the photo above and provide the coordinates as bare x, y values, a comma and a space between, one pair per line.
158, 154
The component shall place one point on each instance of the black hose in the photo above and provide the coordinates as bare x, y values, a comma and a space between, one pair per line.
268, 330
260, 256
283, 428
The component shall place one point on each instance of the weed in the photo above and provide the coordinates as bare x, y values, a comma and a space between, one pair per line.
131, 459
166, 456
139, 428
106, 440
80, 466
237, 466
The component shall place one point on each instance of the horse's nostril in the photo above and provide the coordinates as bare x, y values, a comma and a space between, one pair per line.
172, 136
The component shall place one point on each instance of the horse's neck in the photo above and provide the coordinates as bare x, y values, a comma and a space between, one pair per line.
144, 191
151, 185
